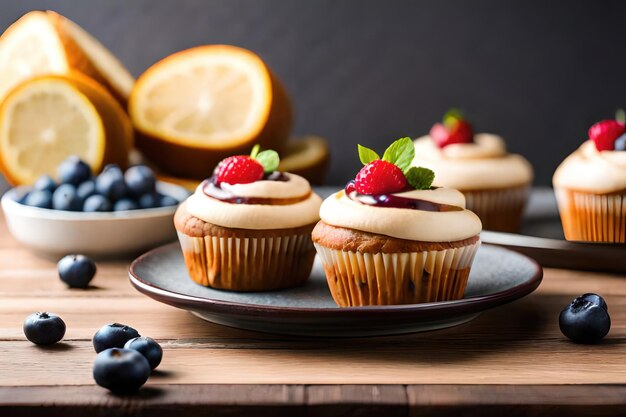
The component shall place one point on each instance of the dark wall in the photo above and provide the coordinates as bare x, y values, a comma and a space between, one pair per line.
539, 73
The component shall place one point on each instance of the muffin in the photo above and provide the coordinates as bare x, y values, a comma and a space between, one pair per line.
390, 238
495, 183
248, 227
590, 186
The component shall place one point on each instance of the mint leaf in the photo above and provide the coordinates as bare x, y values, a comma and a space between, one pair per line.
400, 153
269, 159
255, 151
366, 155
420, 178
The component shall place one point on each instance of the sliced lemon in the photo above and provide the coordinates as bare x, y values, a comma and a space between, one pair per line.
47, 43
44, 120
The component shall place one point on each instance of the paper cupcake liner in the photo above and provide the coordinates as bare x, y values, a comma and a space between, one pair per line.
365, 279
248, 264
592, 217
499, 210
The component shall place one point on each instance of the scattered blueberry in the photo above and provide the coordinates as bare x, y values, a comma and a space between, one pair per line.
140, 180
586, 319
125, 204
97, 202
65, 198
110, 183
76, 270
620, 143
86, 189
41, 199
149, 201
73, 171
45, 183
166, 201
44, 328
122, 371
148, 347
113, 335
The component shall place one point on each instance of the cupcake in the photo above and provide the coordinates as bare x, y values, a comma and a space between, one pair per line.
495, 183
248, 227
590, 186
391, 238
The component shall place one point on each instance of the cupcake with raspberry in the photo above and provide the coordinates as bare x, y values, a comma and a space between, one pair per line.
495, 183
391, 238
590, 186
248, 227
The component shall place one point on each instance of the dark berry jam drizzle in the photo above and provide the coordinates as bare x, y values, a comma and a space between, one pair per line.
394, 201
212, 188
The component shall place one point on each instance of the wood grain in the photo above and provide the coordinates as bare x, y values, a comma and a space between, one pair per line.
506, 358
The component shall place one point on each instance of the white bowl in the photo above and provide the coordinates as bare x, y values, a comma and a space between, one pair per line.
57, 233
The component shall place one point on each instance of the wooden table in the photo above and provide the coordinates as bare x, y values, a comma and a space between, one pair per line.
509, 360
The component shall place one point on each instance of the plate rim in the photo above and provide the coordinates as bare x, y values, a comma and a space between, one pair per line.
423, 310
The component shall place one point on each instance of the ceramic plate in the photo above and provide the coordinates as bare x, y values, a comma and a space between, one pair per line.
498, 277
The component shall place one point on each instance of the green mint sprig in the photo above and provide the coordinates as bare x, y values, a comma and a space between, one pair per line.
269, 159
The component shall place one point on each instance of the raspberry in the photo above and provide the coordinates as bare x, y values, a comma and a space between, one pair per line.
604, 133
240, 169
379, 177
457, 131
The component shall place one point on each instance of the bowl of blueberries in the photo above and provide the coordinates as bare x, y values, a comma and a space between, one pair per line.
113, 213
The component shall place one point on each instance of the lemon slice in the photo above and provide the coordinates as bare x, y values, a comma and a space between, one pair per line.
44, 120
42, 43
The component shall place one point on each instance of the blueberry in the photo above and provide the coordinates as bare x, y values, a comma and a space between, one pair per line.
125, 204
65, 198
86, 189
45, 183
97, 202
122, 371
620, 143
41, 199
586, 319
166, 201
44, 328
73, 171
140, 180
110, 184
148, 347
113, 335
149, 201
76, 270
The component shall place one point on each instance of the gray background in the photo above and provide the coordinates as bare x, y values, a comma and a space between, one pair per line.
363, 71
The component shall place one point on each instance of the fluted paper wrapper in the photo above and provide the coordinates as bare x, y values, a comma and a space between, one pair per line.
592, 217
500, 210
366, 279
248, 264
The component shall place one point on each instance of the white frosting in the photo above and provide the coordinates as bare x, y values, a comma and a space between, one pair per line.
259, 216
482, 164
420, 225
588, 169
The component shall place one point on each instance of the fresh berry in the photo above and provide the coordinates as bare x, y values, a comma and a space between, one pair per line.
73, 171
125, 204
148, 347
454, 129
586, 319
97, 202
110, 183
604, 134
379, 177
86, 189
620, 143
140, 180
167, 201
240, 169
65, 198
121, 371
45, 183
44, 328
113, 335
76, 270
150, 200
41, 199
